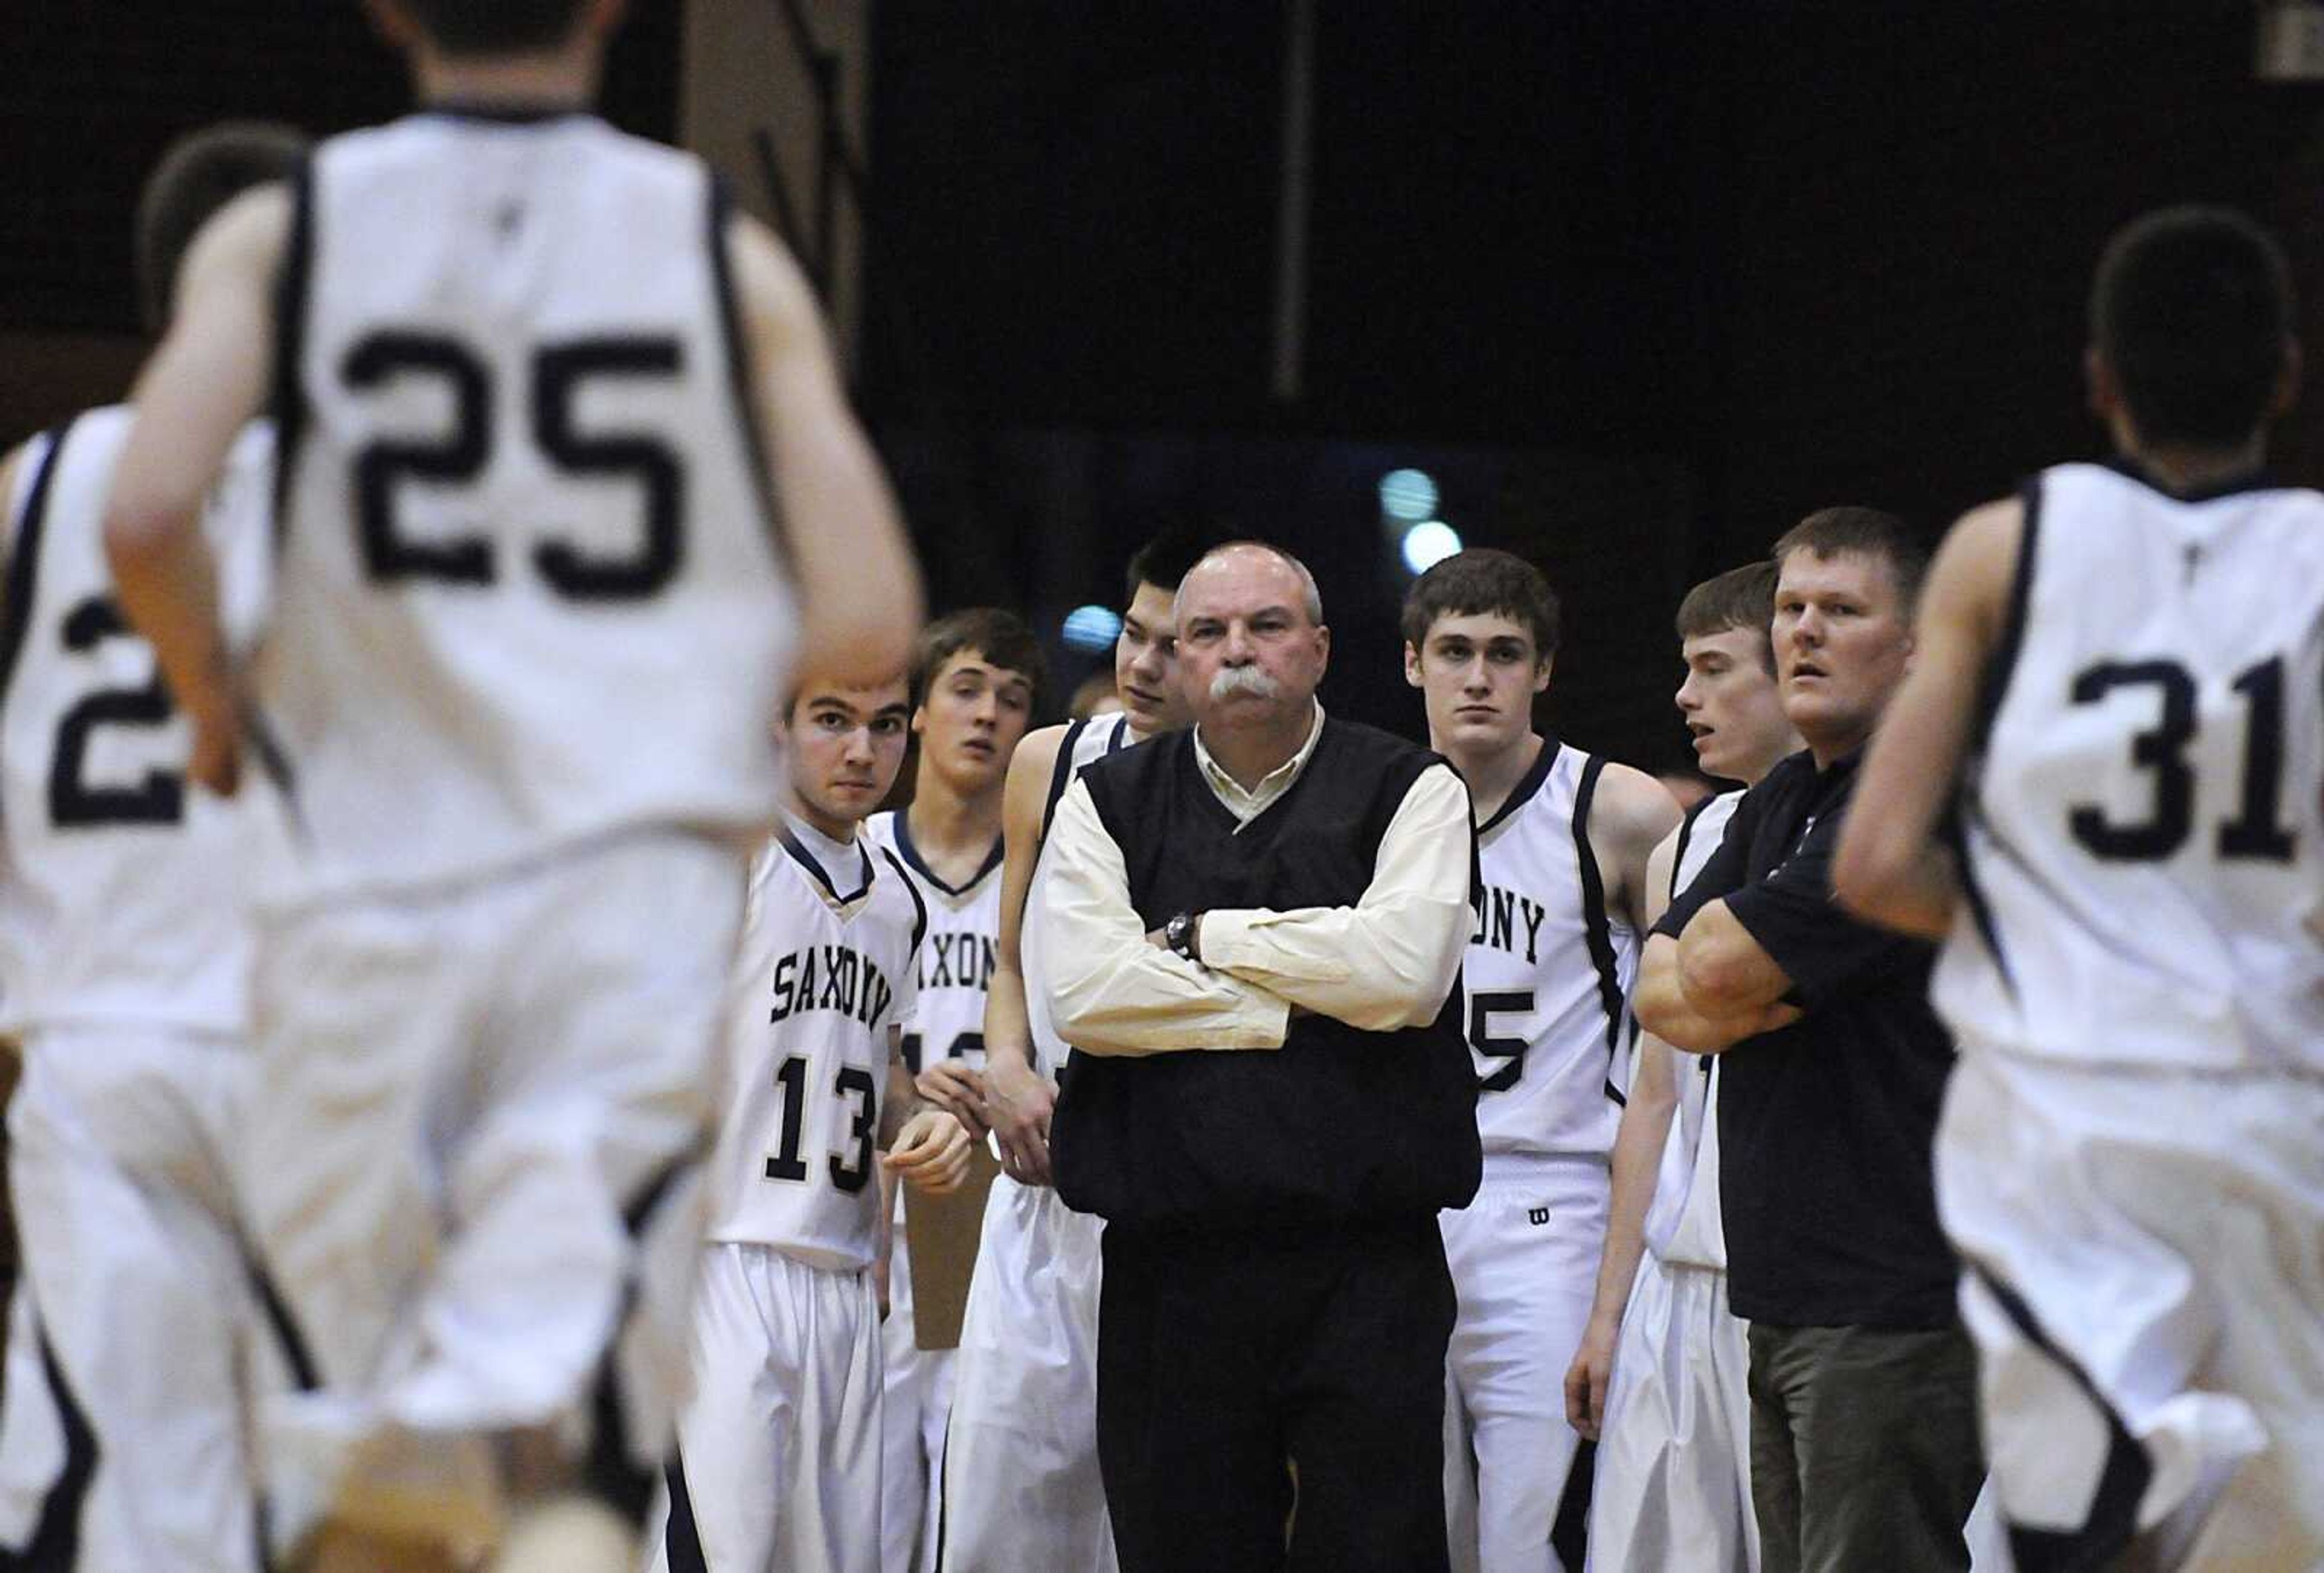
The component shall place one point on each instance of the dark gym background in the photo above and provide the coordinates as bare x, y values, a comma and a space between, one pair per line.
1639, 284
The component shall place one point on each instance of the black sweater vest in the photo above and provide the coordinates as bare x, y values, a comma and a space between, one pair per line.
1339, 1125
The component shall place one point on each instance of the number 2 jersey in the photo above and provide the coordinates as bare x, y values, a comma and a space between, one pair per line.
120, 892
2144, 869
1547, 970
957, 959
528, 589
823, 971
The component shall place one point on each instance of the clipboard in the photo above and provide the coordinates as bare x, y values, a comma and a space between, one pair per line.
941, 1232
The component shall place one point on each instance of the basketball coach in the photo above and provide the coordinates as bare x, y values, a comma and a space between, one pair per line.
1252, 932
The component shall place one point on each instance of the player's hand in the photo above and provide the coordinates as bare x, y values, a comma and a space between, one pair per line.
931, 1153
216, 762
954, 1085
1017, 1101
1587, 1377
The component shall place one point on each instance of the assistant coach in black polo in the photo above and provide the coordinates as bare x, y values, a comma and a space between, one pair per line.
1253, 934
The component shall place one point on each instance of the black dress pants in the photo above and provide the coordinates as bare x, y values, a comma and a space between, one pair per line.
1274, 1400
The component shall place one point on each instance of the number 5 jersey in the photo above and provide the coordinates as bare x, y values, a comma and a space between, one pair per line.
2145, 837
823, 972
526, 555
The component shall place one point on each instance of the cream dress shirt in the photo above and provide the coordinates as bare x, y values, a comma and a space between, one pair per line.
1387, 962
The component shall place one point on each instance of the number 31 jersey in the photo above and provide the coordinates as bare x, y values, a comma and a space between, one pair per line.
1547, 971
529, 591
2145, 843
823, 971
120, 889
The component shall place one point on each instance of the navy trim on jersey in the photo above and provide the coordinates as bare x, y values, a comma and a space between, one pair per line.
1527, 785
681, 1539
1595, 928
511, 113
815, 870
2002, 664
1954, 832
919, 865
56, 1536
24, 561
2262, 479
2112, 1521
741, 375
1061, 774
920, 901
1685, 834
293, 295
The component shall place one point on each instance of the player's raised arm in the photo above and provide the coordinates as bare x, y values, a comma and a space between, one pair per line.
209, 378
856, 574
1891, 868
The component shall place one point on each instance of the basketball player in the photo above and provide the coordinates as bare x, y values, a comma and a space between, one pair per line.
1673, 1424
537, 386
778, 1462
124, 931
2118, 669
1022, 1482
1563, 842
975, 676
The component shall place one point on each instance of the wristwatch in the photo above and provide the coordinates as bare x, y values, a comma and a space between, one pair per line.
1181, 932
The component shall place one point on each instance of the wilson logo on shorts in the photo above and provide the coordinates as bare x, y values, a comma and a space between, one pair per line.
1536, 1216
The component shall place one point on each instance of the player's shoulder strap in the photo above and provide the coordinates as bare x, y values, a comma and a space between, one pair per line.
920, 901
1597, 930
1061, 774
25, 555
1685, 836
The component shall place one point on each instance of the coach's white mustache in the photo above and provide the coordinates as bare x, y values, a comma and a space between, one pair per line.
1231, 680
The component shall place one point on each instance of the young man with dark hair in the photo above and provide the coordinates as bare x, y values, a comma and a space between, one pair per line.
540, 395
2115, 691
1661, 1377
124, 1437
1022, 1482
779, 1448
974, 678
1864, 1441
1563, 843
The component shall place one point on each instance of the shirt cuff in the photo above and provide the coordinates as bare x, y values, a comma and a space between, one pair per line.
1229, 941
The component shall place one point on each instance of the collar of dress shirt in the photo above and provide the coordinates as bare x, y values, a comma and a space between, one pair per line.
1246, 806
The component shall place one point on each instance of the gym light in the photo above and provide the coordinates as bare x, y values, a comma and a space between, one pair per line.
1092, 629
1428, 544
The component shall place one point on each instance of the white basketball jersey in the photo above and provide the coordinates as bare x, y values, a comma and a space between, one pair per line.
1683, 1225
823, 970
121, 893
1548, 969
528, 589
1084, 744
956, 959
2145, 839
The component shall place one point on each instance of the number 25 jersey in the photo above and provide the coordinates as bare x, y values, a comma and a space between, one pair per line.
528, 589
823, 971
2145, 843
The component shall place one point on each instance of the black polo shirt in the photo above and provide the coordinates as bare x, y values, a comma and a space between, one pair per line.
1826, 1126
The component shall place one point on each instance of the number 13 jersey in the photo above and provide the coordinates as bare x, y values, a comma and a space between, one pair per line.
528, 589
1547, 971
831, 936
2145, 874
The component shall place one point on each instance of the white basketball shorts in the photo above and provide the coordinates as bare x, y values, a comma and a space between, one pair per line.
778, 1457
1673, 1482
1524, 1255
917, 1401
471, 1099
2144, 1263
1021, 1483
125, 1433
